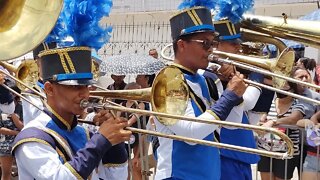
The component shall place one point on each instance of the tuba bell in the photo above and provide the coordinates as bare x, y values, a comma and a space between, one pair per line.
24, 24
306, 32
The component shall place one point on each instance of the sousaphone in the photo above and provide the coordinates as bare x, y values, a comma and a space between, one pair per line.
24, 24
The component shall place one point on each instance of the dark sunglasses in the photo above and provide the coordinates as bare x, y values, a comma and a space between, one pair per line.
206, 44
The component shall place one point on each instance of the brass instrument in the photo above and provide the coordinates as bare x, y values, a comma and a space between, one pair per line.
253, 36
169, 96
26, 72
306, 32
95, 69
24, 24
283, 63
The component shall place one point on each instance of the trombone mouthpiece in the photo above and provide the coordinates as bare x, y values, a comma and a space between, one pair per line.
213, 58
84, 103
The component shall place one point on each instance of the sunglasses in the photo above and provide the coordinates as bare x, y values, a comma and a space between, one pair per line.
206, 44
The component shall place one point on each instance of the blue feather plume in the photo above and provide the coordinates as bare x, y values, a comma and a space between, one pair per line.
80, 21
84, 22
60, 31
210, 4
233, 9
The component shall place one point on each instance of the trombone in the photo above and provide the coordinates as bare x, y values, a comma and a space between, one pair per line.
170, 88
282, 65
277, 155
169, 97
180, 99
27, 72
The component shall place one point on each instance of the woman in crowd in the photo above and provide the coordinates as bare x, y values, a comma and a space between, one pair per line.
285, 110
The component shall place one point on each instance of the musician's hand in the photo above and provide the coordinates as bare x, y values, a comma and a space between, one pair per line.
237, 85
101, 116
2, 80
214, 68
113, 130
226, 70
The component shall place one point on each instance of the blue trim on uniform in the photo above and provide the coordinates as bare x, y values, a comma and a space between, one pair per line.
197, 78
88, 153
58, 122
73, 76
76, 137
225, 103
230, 37
236, 137
197, 28
235, 170
191, 162
40, 84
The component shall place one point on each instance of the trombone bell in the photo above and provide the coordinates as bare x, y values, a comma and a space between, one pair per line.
282, 65
169, 94
27, 72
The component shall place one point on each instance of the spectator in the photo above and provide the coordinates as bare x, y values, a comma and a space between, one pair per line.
308, 64
10, 125
133, 145
286, 110
311, 165
118, 84
154, 53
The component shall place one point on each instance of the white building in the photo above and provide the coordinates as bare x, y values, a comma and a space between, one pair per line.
139, 25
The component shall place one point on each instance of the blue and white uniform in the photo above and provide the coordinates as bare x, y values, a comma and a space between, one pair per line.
236, 164
183, 160
49, 148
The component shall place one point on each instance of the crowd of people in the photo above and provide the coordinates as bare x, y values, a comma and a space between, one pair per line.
48, 142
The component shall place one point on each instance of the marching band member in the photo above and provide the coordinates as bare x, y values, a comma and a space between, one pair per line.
194, 37
30, 112
54, 146
235, 164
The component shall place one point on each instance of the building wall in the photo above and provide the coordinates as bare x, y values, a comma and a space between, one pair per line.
137, 32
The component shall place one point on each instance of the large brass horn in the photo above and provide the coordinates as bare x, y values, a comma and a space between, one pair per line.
284, 59
253, 36
26, 72
306, 32
169, 97
24, 24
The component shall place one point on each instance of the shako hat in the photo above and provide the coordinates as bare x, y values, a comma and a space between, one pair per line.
191, 20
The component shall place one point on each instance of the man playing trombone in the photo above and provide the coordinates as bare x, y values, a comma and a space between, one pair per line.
235, 163
194, 37
54, 146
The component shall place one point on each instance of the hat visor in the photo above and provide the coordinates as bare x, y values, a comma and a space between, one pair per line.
215, 33
80, 82
237, 41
